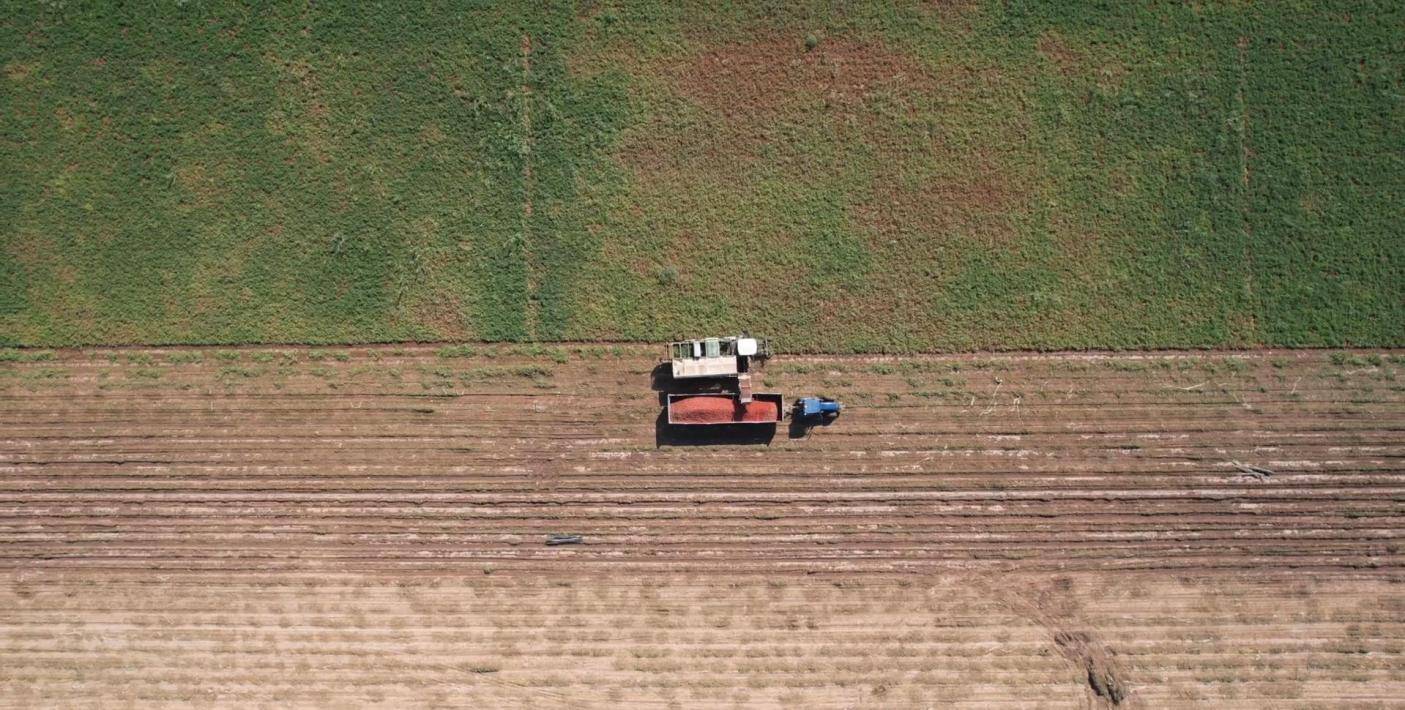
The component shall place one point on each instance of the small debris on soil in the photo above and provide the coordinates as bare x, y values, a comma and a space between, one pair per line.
1257, 473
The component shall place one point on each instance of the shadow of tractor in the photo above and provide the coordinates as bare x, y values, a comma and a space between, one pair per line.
800, 427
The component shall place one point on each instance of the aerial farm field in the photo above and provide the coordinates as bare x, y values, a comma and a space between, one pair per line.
339, 527
331, 338
845, 177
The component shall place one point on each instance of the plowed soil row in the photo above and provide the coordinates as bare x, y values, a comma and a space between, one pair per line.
366, 527
400, 459
699, 641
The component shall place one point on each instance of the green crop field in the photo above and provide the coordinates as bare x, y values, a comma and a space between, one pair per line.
840, 176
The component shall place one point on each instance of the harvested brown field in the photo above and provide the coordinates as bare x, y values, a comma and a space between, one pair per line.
366, 526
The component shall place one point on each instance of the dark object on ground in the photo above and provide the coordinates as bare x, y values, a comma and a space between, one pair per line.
564, 539
1258, 473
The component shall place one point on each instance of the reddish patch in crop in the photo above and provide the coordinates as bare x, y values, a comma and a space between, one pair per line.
1072, 62
941, 205
202, 184
1055, 50
950, 8
743, 89
740, 80
18, 71
441, 311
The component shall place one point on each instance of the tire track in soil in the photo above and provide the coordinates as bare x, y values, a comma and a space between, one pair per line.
1052, 605
529, 264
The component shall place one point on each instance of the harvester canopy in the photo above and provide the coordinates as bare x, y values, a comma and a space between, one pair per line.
716, 357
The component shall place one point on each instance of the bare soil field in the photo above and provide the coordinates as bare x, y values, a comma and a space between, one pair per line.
282, 526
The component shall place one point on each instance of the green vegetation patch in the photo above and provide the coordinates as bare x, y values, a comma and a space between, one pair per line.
841, 177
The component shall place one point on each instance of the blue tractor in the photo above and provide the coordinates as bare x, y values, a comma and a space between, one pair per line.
817, 410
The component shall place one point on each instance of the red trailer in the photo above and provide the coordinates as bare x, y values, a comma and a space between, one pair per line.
722, 408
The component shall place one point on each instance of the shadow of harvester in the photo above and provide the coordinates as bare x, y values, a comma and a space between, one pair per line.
666, 434
661, 381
